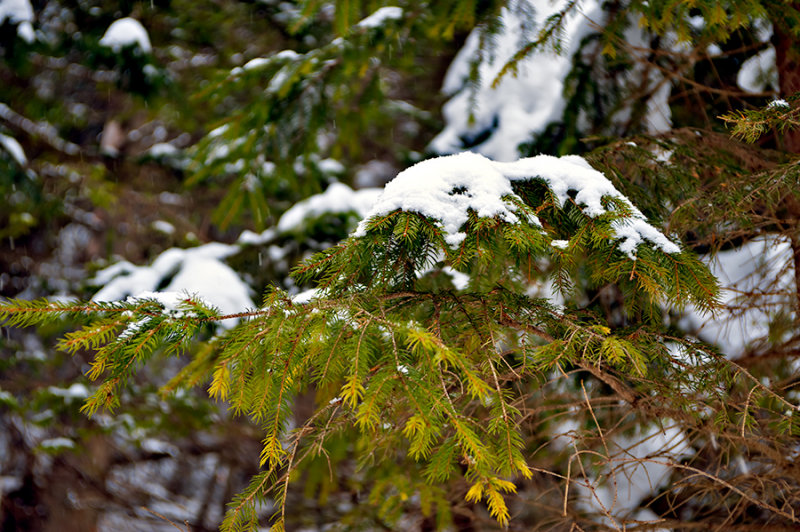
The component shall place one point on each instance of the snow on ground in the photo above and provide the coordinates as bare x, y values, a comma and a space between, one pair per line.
446, 188
758, 281
126, 32
520, 106
638, 467
19, 12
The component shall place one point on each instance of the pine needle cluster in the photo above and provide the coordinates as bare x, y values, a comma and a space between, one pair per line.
438, 372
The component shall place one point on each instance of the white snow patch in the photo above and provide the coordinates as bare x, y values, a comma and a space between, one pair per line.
163, 226
13, 148
306, 296
331, 166
9, 483
261, 62
278, 79
757, 282
57, 443
197, 271
560, 244
126, 32
662, 155
75, 391
170, 198
446, 188
218, 131
258, 62
19, 12
759, 72
6, 397
638, 467
162, 149
774, 104
338, 198
564, 432
154, 446
460, 279
381, 16
659, 115
250, 238
520, 106
25, 32
169, 300
286, 55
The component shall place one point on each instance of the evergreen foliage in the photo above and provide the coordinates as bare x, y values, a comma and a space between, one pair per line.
441, 373
529, 390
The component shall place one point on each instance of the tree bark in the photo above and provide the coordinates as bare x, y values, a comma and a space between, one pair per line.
787, 61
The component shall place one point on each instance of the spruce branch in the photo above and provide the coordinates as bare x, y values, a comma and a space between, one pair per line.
751, 124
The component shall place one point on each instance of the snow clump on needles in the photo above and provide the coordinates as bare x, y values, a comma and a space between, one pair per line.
447, 188
126, 32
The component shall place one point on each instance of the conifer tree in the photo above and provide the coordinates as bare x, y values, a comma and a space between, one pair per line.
403, 360
496, 328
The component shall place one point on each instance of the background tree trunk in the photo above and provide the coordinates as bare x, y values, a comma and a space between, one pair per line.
787, 61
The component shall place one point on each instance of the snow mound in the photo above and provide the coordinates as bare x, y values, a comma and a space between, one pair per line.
447, 188
126, 32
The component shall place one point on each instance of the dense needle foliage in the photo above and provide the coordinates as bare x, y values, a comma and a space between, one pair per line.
533, 369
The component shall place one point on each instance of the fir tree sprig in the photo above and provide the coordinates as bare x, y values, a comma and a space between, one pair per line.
751, 124
445, 370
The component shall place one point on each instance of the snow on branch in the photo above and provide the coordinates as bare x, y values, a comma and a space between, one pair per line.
447, 188
126, 32
42, 130
381, 16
